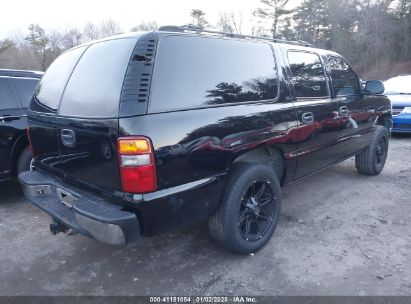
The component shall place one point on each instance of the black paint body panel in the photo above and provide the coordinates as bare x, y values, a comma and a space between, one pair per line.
201, 144
13, 122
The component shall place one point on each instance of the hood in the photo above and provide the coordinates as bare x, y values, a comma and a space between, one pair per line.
400, 100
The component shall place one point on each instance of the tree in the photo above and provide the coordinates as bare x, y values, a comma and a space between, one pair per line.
258, 30
198, 17
275, 11
109, 27
91, 32
146, 26
71, 37
230, 23
6, 44
38, 40
311, 21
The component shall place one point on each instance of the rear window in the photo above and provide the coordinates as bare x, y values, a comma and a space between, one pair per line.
95, 85
25, 89
194, 72
54, 80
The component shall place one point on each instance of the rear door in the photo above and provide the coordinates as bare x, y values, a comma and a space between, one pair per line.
316, 112
84, 128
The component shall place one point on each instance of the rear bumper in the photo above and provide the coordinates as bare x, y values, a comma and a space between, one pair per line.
86, 214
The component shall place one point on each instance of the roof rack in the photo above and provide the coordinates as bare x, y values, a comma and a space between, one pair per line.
196, 29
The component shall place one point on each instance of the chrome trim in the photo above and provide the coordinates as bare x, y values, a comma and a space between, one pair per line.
103, 232
170, 191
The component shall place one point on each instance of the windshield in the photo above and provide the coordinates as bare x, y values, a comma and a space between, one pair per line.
398, 85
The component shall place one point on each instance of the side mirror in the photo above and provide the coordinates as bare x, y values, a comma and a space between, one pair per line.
374, 87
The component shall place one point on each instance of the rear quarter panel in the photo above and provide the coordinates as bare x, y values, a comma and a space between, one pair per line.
194, 144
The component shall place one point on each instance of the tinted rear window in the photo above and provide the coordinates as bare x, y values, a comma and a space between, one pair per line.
54, 80
7, 96
25, 89
307, 74
193, 72
95, 85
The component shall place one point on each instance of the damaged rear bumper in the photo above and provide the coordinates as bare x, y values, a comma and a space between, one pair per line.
83, 213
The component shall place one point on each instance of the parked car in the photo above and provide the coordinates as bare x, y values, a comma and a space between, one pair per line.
16, 90
398, 90
144, 132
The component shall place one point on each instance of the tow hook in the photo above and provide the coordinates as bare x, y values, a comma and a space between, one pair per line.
57, 227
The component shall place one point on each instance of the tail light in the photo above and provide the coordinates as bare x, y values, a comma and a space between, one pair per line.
30, 144
137, 165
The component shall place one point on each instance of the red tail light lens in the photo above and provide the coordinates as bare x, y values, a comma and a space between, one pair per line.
137, 165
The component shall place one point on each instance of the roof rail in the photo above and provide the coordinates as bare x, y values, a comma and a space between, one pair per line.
196, 29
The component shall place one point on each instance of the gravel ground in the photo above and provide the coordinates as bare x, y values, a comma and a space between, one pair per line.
340, 233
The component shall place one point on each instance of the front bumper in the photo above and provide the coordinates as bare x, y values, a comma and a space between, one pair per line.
401, 123
83, 213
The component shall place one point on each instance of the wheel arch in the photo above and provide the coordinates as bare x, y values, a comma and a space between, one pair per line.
270, 156
385, 120
20, 144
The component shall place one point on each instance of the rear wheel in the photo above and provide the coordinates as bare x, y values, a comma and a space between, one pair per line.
23, 163
249, 210
372, 160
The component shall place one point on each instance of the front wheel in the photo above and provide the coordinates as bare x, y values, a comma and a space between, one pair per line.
372, 160
249, 210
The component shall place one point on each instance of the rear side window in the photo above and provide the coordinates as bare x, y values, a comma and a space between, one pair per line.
25, 89
194, 72
344, 80
54, 80
307, 74
95, 85
7, 96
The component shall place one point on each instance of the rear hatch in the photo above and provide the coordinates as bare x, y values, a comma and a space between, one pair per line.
73, 118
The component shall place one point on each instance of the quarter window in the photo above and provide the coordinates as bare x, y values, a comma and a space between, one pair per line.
307, 74
344, 80
194, 72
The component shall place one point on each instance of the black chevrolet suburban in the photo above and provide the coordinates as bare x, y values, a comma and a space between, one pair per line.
139, 133
16, 90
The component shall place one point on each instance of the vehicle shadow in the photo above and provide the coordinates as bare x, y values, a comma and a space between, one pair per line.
10, 191
401, 135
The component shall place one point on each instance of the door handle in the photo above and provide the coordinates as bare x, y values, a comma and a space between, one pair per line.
68, 137
307, 117
9, 117
344, 111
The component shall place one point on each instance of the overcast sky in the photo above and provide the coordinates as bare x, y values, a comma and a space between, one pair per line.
59, 14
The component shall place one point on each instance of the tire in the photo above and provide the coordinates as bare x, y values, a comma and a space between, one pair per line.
372, 160
23, 163
243, 208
